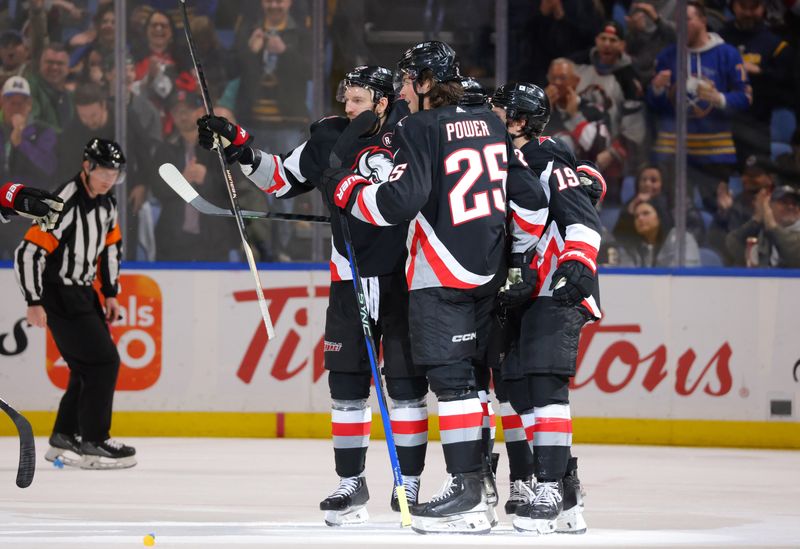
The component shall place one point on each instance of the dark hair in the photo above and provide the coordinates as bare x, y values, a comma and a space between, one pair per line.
89, 93
643, 168
56, 47
101, 11
700, 6
442, 93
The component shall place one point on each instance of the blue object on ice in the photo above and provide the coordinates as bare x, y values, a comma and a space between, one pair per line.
58, 464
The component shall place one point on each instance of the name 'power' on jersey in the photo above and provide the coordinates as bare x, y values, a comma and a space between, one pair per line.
455, 172
573, 226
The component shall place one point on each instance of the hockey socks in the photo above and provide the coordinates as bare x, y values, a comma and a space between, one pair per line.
410, 427
351, 421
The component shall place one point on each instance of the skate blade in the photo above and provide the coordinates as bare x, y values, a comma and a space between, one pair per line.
99, 462
491, 516
571, 522
67, 457
475, 523
535, 527
350, 517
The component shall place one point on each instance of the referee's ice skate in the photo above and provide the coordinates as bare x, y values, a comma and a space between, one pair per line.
109, 454
66, 448
460, 507
347, 504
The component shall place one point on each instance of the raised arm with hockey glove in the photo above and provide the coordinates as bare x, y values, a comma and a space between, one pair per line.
592, 181
235, 139
521, 281
340, 185
41, 206
572, 282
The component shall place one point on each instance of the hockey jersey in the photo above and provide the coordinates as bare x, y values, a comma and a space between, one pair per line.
455, 172
572, 230
379, 250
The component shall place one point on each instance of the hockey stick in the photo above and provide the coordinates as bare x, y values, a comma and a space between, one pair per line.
174, 178
226, 173
27, 446
345, 143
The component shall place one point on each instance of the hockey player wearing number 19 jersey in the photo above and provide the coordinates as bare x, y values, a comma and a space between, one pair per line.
455, 175
380, 253
537, 368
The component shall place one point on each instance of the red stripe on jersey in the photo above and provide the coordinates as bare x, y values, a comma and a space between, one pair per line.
553, 425
411, 427
276, 177
460, 421
350, 429
511, 422
335, 276
412, 257
362, 206
445, 276
530, 228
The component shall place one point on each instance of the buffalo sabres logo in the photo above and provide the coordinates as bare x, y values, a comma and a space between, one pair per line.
374, 164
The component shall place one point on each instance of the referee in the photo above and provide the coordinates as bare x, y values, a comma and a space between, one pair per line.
55, 271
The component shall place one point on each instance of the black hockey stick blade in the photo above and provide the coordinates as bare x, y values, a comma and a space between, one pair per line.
27, 446
174, 178
357, 127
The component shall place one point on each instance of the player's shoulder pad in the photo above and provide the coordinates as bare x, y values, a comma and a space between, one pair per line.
540, 151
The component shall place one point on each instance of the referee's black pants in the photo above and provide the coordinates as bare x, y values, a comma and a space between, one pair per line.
75, 318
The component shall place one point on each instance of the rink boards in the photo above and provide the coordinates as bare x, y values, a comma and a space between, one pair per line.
677, 359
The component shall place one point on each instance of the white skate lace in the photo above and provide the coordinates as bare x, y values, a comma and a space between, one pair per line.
412, 488
347, 486
115, 444
521, 491
446, 490
547, 495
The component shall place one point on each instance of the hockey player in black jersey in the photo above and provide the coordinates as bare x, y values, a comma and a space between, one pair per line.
455, 177
562, 280
380, 253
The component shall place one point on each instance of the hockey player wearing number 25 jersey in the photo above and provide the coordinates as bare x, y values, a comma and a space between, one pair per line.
454, 177
380, 252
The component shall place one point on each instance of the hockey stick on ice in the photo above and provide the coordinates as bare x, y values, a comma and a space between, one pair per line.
174, 178
27, 447
226, 173
346, 142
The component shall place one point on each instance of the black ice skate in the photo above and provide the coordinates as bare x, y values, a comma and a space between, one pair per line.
541, 514
347, 504
519, 493
571, 521
67, 448
411, 484
109, 454
460, 507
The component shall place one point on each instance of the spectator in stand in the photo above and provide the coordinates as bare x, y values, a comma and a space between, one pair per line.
555, 28
776, 225
648, 34
182, 233
13, 55
605, 71
649, 187
219, 64
768, 61
98, 39
26, 150
717, 86
52, 101
656, 241
93, 120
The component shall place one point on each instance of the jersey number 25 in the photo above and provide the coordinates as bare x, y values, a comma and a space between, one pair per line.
491, 161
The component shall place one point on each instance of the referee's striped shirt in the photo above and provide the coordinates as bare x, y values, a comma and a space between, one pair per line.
68, 255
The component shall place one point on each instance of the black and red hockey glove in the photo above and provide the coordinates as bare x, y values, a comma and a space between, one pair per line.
41, 206
235, 139
339, 185
592, 181
572, 282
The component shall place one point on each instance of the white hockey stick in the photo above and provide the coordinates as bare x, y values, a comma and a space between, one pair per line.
174, 178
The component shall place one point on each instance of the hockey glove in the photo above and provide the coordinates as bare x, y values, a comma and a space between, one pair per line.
41, 206
572, 283
521, 281
340, 185
592, 181
235, 139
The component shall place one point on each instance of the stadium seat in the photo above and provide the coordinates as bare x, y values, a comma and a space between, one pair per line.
628, 189
710, 258
735, 184
782, 125
609, 216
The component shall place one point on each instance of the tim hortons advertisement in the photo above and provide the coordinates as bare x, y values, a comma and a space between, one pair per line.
668, 347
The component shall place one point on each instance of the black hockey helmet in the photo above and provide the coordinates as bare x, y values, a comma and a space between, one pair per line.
372, 77
105, 153
522, 100
474, 94
438, 57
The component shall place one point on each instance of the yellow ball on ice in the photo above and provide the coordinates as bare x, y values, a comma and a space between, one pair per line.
149, 540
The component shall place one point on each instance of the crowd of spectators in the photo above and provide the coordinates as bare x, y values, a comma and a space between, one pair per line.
607, 66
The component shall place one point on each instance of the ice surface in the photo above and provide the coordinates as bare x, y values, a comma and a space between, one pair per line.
265, 493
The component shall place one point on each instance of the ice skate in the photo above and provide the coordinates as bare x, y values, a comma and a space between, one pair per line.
490, 487
460, 507
109, 454
571, 521
541, 514
411, 484
347, 504
67, 448
519, 493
